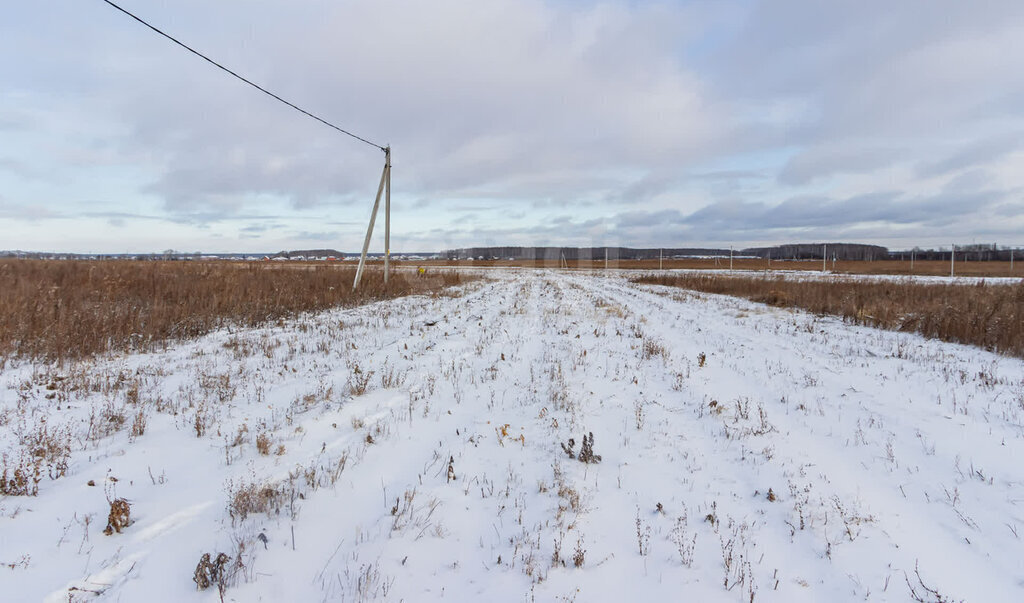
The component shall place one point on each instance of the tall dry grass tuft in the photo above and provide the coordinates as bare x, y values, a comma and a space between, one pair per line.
57, 310
984, 315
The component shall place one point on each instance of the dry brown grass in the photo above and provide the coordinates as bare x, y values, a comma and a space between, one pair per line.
120, 516
988, 316
251, 498
42, 451
263, 443
56, 310
209, 573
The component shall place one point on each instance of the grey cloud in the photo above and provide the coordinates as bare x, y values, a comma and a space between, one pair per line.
968, 182
317, 236
1013, 209
643, 219
27, 172
817, 162
864, 218
19, 211
729, 175
878, 71
13, 165
803, 212
646, 187
17, 120
120, 215
258, 228
10, 123
978, 152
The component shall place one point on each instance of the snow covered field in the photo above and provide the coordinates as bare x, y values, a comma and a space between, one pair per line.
418, 449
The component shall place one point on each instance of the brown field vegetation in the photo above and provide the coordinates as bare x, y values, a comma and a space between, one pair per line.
988, 316
56, 310
896, 267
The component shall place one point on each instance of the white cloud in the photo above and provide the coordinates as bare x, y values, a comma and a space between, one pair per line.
592, 110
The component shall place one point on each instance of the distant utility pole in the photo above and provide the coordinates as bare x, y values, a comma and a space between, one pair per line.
824, 258
952, 259
730, 258
606, 257
911, 261
661, 259
1011, 259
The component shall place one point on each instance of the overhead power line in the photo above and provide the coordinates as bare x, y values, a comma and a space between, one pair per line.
247, 81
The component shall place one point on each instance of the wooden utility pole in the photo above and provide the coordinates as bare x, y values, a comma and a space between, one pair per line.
912, 261
952, 259
387, 215
824, 258
385, 179
730, 258
661, 260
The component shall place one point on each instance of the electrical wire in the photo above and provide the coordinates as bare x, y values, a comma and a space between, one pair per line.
247, 81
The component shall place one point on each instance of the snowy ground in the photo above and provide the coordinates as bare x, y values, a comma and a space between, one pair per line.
415, 450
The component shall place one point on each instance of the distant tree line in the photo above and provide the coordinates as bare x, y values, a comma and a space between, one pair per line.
814, 251
575, 253
841, 251
795, 251
979, 252
310, 253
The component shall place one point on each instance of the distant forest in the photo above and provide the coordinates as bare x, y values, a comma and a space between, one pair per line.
975, 252
841, 251
813, 251
799, 251
574, 253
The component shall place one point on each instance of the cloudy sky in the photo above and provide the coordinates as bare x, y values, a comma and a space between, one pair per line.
518, 122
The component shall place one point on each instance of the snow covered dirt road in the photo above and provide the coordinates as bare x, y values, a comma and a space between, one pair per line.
534, 436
